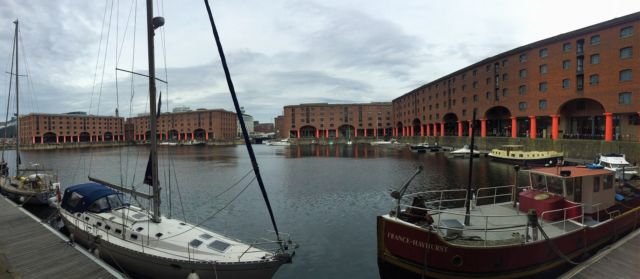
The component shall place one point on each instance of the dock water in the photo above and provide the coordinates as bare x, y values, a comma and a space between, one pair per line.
31, 249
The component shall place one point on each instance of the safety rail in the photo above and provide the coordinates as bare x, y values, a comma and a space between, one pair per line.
480, 226
441, 197
495, 194
564, 219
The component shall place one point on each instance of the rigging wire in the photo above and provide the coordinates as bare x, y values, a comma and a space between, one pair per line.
13, 53
215, 213
25, 59
104, 60
82, 160
245, 134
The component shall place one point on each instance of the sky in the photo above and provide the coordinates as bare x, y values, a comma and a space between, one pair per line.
279, 52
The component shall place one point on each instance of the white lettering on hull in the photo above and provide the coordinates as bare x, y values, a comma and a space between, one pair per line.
417, 243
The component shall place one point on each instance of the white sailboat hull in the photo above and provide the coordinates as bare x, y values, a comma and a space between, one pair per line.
146, 265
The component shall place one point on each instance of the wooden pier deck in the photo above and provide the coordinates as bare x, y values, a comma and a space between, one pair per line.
30, 249
621, 260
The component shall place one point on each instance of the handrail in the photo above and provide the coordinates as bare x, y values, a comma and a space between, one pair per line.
564, 218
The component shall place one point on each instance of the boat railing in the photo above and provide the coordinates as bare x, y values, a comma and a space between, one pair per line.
496, 194
481, 228
568, 213
437, 199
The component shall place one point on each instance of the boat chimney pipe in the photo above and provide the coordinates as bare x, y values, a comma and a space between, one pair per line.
514, 195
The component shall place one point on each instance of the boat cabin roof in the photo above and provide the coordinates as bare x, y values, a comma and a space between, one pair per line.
91, 196
570, 171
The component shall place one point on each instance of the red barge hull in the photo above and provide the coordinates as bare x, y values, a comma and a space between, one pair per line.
407, 251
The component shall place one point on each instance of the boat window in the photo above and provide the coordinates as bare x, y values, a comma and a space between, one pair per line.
99, 224
569, 188
74, 199
607, 182
219, 245
139, 229
577, 197
539, 181
195, 243
115, 201
596, 184
107, 227
100, 205
205, 236
118, 231
138, 215
554, 185
134, 236
158, 235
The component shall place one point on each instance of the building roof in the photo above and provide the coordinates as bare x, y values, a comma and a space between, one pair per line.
68, 115
354, 104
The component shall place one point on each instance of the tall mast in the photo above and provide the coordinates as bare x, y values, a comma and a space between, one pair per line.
152, 114
17, 105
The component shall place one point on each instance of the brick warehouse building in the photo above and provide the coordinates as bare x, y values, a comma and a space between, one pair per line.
578, 85
322, 120
41, 128
201, 124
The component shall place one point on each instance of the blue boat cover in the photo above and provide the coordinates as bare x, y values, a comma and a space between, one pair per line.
79, 197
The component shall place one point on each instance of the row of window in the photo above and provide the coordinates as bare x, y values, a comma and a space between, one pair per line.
625, 32
624, 98
625, 53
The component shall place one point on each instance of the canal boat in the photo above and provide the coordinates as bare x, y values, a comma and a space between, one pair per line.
515, 154
618, 163
32, 185
144, 243
465, 151
564, 215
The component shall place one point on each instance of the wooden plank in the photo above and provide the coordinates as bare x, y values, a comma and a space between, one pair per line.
618, 261
29, 250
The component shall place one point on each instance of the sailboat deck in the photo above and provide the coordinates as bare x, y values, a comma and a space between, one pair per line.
493, 225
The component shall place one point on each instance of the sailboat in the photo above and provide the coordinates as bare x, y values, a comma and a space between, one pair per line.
33, 185
146, 244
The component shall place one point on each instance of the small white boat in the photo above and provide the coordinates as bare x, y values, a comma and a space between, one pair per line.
282, 142
384, 142
618, 163
465, 151
168, 143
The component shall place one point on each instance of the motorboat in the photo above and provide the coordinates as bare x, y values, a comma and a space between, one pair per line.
465, 151
618, 163
384, 142
565, 214
515, 154
282, 142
